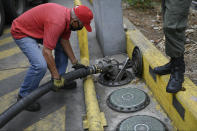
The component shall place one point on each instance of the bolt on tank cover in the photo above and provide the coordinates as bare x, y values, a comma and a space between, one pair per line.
141, 123
128, 100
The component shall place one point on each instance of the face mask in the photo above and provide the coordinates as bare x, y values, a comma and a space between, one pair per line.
72, 28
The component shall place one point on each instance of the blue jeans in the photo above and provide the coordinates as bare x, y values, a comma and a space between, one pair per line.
38, 67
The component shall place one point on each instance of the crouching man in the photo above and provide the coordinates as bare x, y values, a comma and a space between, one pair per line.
52, 24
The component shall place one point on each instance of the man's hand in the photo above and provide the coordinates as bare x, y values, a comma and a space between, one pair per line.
58, 83
78, 66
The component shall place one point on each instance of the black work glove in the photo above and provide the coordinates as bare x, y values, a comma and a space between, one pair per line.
58, 84
79, 66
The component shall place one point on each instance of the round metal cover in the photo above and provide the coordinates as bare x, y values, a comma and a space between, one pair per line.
128, 100
141, 123
105, 80
137, 62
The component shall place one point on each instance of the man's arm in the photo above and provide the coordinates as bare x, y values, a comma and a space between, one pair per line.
68, 49
47, 53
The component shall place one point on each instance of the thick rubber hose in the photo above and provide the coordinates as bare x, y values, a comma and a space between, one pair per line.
16, 108
76, 74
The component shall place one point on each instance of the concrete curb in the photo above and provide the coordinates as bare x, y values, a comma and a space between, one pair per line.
180, 107
94, 119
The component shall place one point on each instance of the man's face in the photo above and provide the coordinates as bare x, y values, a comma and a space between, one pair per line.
75, 25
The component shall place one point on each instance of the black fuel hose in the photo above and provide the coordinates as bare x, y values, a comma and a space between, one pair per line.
16, 108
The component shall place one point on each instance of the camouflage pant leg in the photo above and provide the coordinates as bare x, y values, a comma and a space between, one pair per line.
175, 14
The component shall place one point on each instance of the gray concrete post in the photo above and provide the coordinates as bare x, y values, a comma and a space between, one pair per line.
109, 26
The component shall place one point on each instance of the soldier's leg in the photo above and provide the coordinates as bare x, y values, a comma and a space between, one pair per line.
175, 22
164, 69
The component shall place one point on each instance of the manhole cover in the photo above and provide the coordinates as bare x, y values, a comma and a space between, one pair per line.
104, 79
128, 100
141, 123
137, 62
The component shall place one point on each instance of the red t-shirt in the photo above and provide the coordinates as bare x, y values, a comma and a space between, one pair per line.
47, 21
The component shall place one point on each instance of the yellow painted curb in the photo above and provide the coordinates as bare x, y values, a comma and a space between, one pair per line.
180, 107
94, 119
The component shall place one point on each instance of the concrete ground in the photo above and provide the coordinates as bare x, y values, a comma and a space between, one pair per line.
113, 117
62, 110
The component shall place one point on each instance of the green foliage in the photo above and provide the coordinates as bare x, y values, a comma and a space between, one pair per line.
140, 3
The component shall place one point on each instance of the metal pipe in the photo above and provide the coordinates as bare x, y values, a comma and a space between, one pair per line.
94, 117
95, 120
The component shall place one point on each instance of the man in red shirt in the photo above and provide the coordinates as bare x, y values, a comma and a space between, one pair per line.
52, 24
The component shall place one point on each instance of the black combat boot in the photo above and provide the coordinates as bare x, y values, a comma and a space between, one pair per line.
177, 75
33, 107
163, 70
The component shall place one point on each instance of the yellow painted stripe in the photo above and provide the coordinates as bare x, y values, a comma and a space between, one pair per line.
6, 40
9, 52
7, 100
8, 73
53, 122
152, 57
